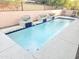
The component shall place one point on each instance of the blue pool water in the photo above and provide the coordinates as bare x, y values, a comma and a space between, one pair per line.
34, 38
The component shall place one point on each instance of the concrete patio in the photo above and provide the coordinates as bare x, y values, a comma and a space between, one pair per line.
63, 46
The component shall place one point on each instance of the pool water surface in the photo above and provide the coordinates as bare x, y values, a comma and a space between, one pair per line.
34, 38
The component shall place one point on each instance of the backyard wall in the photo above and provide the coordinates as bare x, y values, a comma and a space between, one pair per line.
9, 18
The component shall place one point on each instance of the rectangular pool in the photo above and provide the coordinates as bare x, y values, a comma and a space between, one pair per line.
34, 38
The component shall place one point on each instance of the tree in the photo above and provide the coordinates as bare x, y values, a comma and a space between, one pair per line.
57, 3
43, 1
70, 4
64, 3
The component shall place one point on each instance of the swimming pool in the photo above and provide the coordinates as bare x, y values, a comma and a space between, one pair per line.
34, 38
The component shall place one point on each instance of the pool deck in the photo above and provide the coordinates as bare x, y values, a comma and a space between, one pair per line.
63, 46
